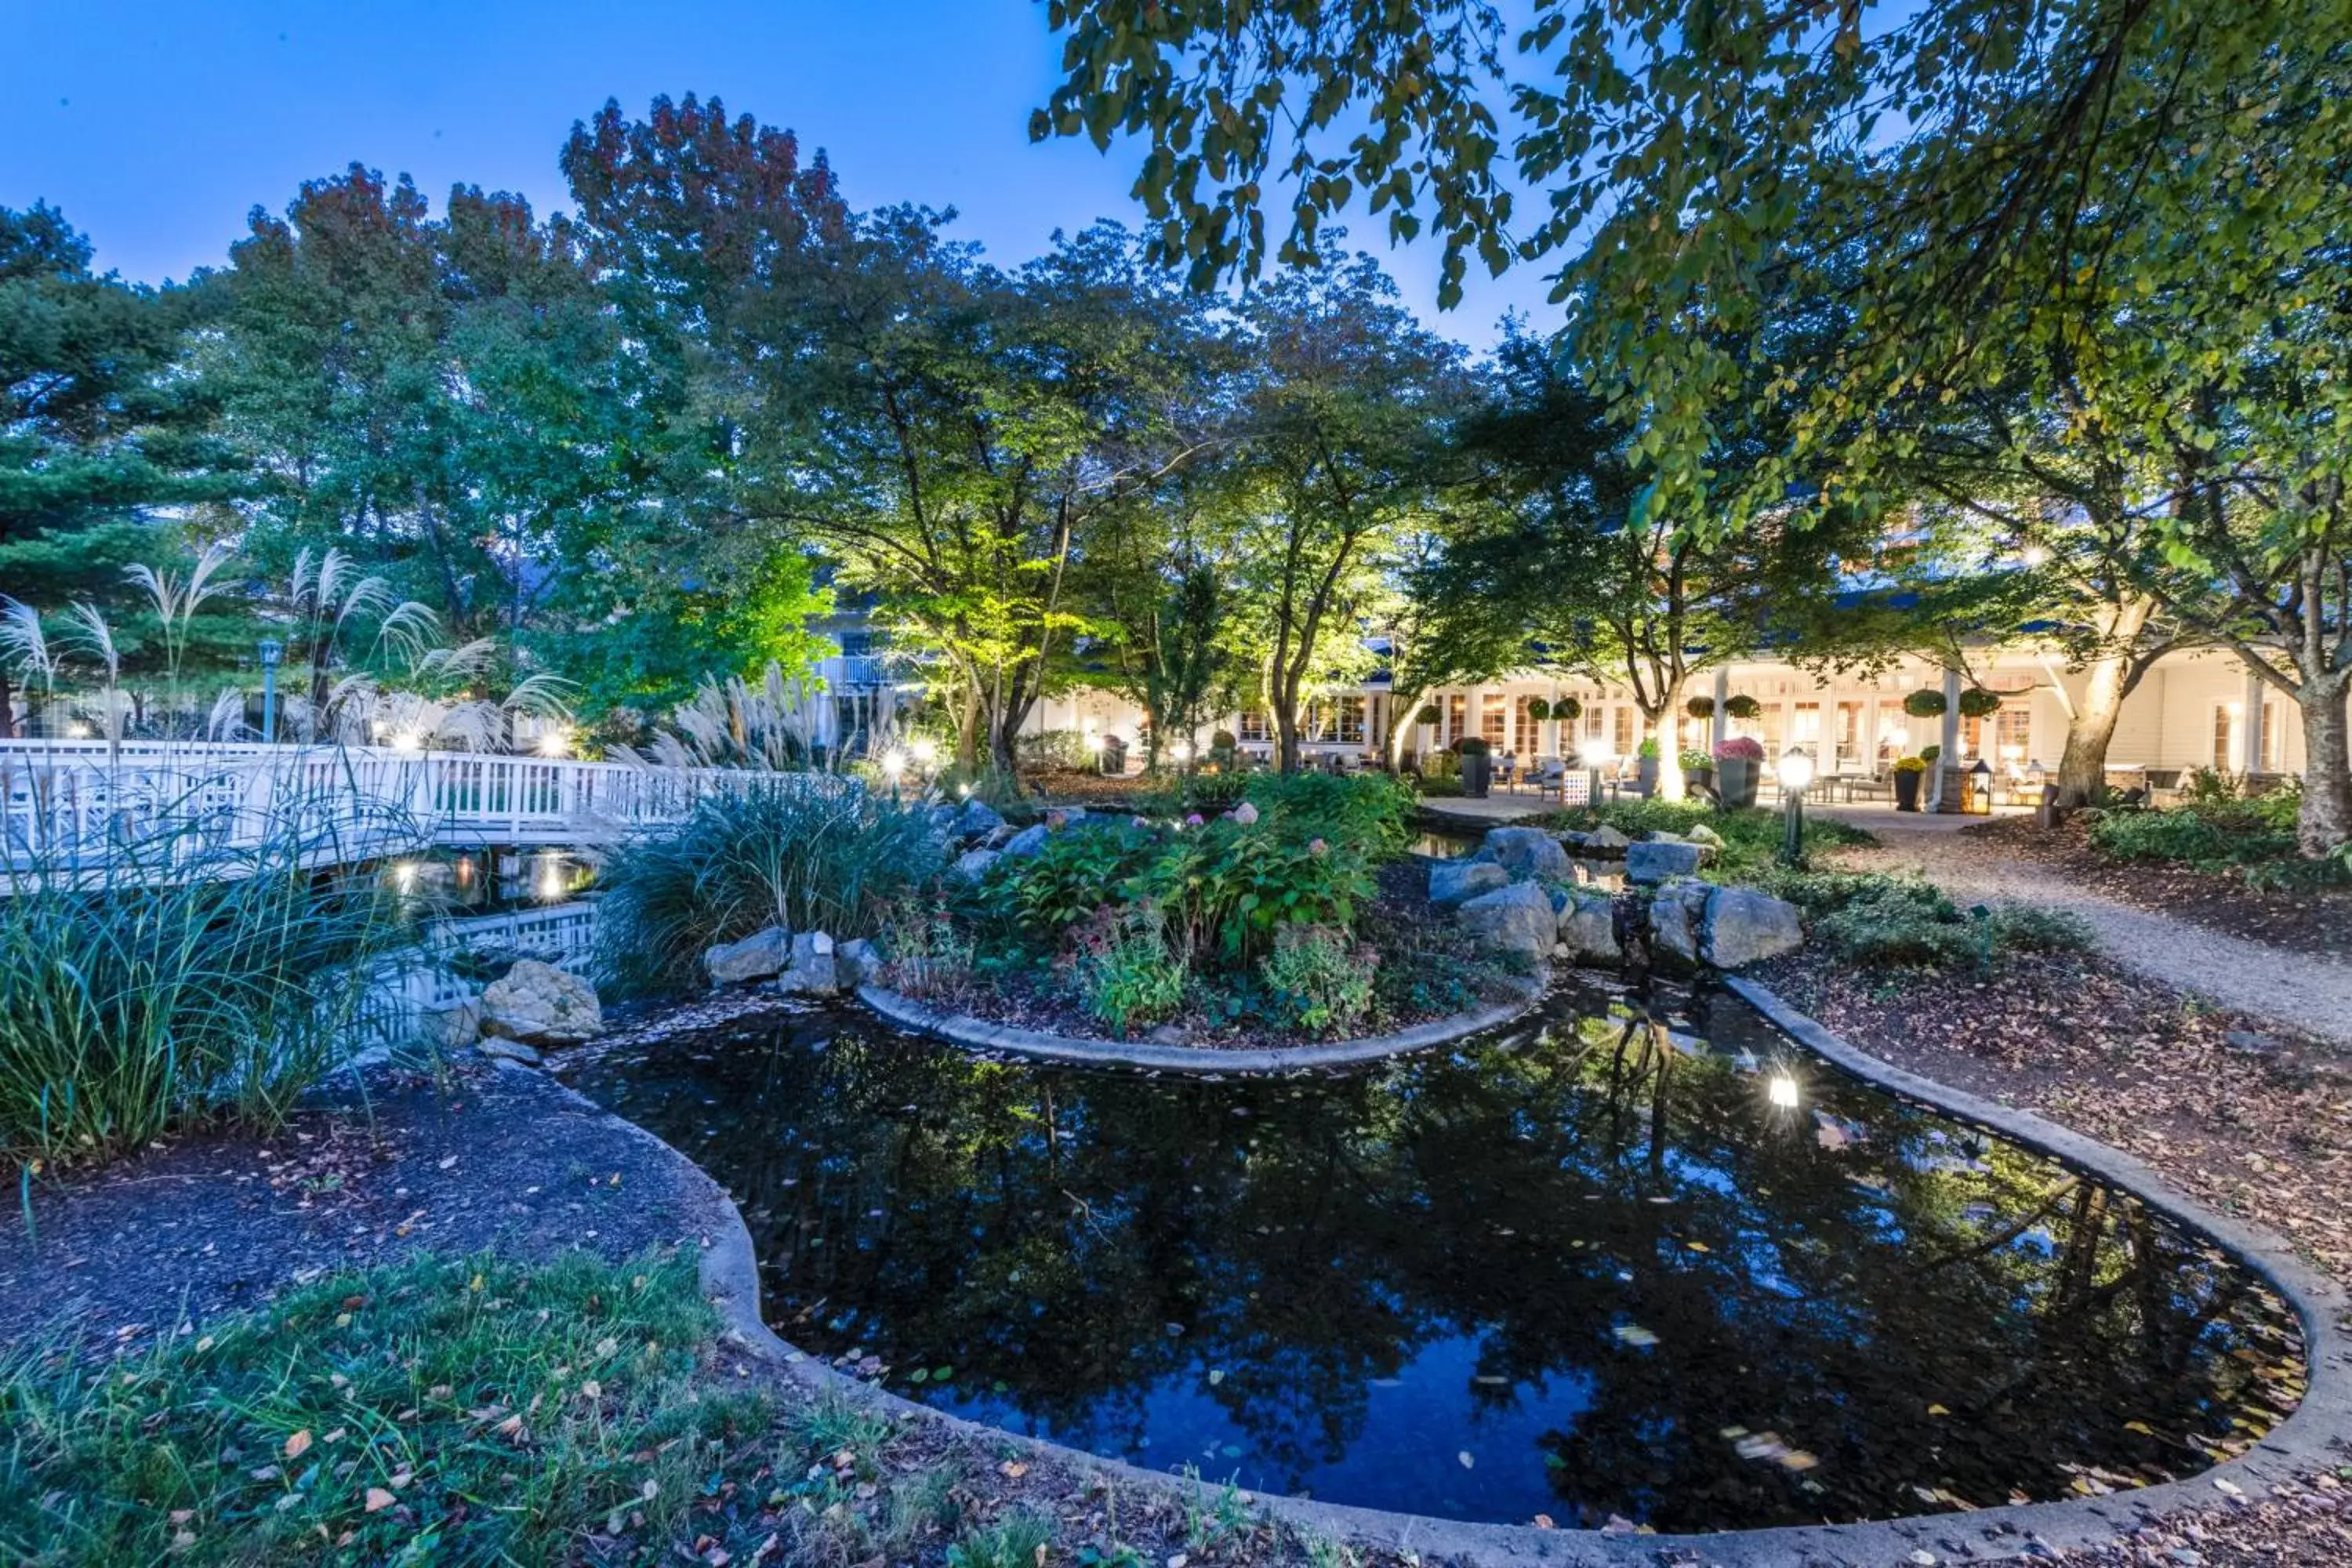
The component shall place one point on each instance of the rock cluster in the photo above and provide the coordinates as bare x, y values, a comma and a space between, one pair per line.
1518, 894
802, 964
538, 1004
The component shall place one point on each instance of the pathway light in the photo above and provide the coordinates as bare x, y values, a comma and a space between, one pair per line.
1796, 773
1782, 1089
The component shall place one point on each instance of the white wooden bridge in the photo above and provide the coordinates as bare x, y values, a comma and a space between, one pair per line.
80, 803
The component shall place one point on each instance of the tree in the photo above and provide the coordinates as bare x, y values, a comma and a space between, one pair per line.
98, 445
1342, 421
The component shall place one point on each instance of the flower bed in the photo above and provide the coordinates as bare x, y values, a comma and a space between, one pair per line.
1289, 917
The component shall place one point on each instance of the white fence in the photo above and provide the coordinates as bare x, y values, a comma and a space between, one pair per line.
424, 980
85, 800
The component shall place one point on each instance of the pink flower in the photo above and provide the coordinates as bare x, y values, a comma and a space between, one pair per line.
1317, 847
1244, 814
1193, 820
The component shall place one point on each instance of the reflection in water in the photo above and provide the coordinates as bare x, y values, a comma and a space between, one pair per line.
450, 883
1596, 1269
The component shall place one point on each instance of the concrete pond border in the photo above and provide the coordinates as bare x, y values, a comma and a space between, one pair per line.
979, 1035
2316, 1436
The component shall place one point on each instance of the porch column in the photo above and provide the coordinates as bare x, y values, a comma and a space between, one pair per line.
1719, 726
1948, 759
2249, 728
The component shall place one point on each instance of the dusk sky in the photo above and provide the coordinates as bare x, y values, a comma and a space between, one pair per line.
156, 126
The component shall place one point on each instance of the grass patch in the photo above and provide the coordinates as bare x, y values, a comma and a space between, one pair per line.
458, 1410
1751, 838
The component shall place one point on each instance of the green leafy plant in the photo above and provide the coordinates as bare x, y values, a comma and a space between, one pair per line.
1017, 1540
1568, 710
1372, 812
1079, 871
1539, 708
1911, 764
931, 955
1470, 746
1929, 755
1976, 702
1322, 977
1739, 705
1695, 761
1648, 749
1700, 707
1223, 890
1126, 974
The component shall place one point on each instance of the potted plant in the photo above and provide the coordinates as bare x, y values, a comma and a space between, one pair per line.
1427, 715
1976, 702
1907, 773
1700, 707
1699, 768
1645, 766
1738, 761
1224, 750
1742, 706
1476, 767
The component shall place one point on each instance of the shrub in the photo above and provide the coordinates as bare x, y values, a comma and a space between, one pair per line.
1065, 749
2213, 832
1695, 761
174, 980
1928, 756
1224, 890
1126, 975
1740, 749
1372, 812
1321, 977
1877, 921
1079, 871
930, 956
1207, 793
803, 852
1925, 704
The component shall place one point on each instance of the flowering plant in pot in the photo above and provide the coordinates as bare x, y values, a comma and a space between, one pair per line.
1738, 763
1907, 773
1477, 768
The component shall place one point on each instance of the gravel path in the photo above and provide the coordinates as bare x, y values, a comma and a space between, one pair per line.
2306, 992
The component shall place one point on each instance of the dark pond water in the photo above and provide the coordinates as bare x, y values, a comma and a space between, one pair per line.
1697, 1286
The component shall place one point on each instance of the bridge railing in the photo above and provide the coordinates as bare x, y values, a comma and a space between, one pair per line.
83, 799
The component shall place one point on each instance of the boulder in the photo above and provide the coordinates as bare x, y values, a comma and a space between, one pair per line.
1744, 927
510, 1051
1588, 930
977, 818
1453, 882
812, 971
540, 1004
1529, 854
446, 1028
1606, 840
1517, 919
1702, 834
1677, 917
974, 864
1654, 861
856, 962
756, 957
1030, 840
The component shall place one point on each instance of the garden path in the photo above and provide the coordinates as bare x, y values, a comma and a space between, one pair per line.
2307, 991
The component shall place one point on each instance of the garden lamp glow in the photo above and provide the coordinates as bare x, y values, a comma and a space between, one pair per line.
1796, 773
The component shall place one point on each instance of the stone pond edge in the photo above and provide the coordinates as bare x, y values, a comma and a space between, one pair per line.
979, 1035
2317, 1435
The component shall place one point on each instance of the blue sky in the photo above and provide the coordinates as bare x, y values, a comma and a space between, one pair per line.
156, 126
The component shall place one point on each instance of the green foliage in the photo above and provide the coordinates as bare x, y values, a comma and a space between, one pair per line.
1469, 746
473, 1409
805, 851
2212, 831
1321, 977
1910, 764
1752, 838
1700, 707
1976, 702
1223, 890
1877, 921
1080, 870
1739, 705
1018, 1540
1062, 748
179, 981
1924, 704
1372, 812
1126, 975
930, 954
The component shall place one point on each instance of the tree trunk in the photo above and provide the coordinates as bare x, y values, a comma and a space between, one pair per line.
1287, 753
1661, 728
2091, 726
2326, 819
7, 710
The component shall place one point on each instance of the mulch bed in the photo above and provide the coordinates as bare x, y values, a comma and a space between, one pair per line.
2312, 920
2252, 1120
216, 1222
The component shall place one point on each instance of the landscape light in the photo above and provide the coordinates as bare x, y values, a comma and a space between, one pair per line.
77, 730
2033, 555
1796, 773
1094, 741
403, 875
554, 743
1180, 749
408, 741
926, 752
894, 763
1784, 1090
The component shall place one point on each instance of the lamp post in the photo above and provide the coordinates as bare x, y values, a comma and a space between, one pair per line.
894, 763
1796, 773
271, 652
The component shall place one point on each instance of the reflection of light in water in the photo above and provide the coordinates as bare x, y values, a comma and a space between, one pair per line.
1784, 1091
403, 875
465, 870
548, 882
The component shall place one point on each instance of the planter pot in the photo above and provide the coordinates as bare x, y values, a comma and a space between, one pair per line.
1646, 773
1702, 778
1906, 791
1476, 772
1735, 782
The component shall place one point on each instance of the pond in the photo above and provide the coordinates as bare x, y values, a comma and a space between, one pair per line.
1704, 1282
